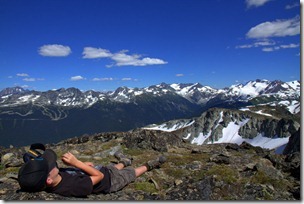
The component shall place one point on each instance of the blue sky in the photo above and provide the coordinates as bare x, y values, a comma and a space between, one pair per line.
102, 45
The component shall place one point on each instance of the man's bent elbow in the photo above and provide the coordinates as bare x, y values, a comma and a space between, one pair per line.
97, 179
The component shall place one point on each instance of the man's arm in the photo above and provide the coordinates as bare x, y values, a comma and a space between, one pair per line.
95, 175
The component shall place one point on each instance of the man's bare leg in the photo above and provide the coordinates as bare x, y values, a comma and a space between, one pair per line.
119, 166
140, 170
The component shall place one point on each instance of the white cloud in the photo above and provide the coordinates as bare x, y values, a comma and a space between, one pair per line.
278, 28
150, 61
244, 46
92, 53
271, 49
120, 58
25, 86
33, 79
29, 79
54, 50
22, 75
179, 75
103, 79
290, 6
263, 42
123, 59
256, 3
126, 79
77, 78
289, 46
267, 49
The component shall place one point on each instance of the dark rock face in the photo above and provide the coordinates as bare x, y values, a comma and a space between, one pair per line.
214, 120
156, 140
294, 144
206, 172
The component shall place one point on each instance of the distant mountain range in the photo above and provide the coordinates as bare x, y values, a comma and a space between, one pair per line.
28, 116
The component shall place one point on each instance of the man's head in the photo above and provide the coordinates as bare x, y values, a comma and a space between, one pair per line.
33, 174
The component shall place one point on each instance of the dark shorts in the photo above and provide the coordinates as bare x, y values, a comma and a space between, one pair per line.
121, 178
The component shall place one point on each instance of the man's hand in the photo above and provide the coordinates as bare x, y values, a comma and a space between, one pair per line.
69, 159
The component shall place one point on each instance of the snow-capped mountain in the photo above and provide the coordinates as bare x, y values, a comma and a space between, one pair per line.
195, 93
264, 88
10, 91
68, 112
233, 126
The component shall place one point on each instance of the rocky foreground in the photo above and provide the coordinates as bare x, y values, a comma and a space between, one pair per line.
205, 172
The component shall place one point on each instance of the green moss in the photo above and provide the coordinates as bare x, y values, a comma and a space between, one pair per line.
223, 173
9, 170
134, 152
267, 195
187, 158
262, 178
145, 186
108, 145
1, 167
176, 172
198, 175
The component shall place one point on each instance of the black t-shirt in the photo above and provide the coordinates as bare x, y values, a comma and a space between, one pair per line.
78, 184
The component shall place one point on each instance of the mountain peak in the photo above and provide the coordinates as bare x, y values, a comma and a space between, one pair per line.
12, 90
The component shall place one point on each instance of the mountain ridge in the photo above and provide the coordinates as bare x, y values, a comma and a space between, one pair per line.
70, 112
218, 125
193, 92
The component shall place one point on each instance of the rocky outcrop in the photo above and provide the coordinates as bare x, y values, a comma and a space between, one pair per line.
156, 140
205, 172
212, 122
294, 144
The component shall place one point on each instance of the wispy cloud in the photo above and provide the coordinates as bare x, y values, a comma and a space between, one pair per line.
127, 79
27, 78
290, 6
120, 58
25, 86
290, 46
263, 42
275, 48
77, 78
112, 79
278, 28
269, 49
179, 75
103, 79
33, 79
22, 75
54, 50
256, 3
267, 46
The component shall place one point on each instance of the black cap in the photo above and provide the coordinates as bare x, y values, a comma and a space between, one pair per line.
33, 174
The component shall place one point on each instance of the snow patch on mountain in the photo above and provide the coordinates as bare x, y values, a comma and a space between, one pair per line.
195, 93
165, 128
293, 107
230, 134
294, 84
252, 88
